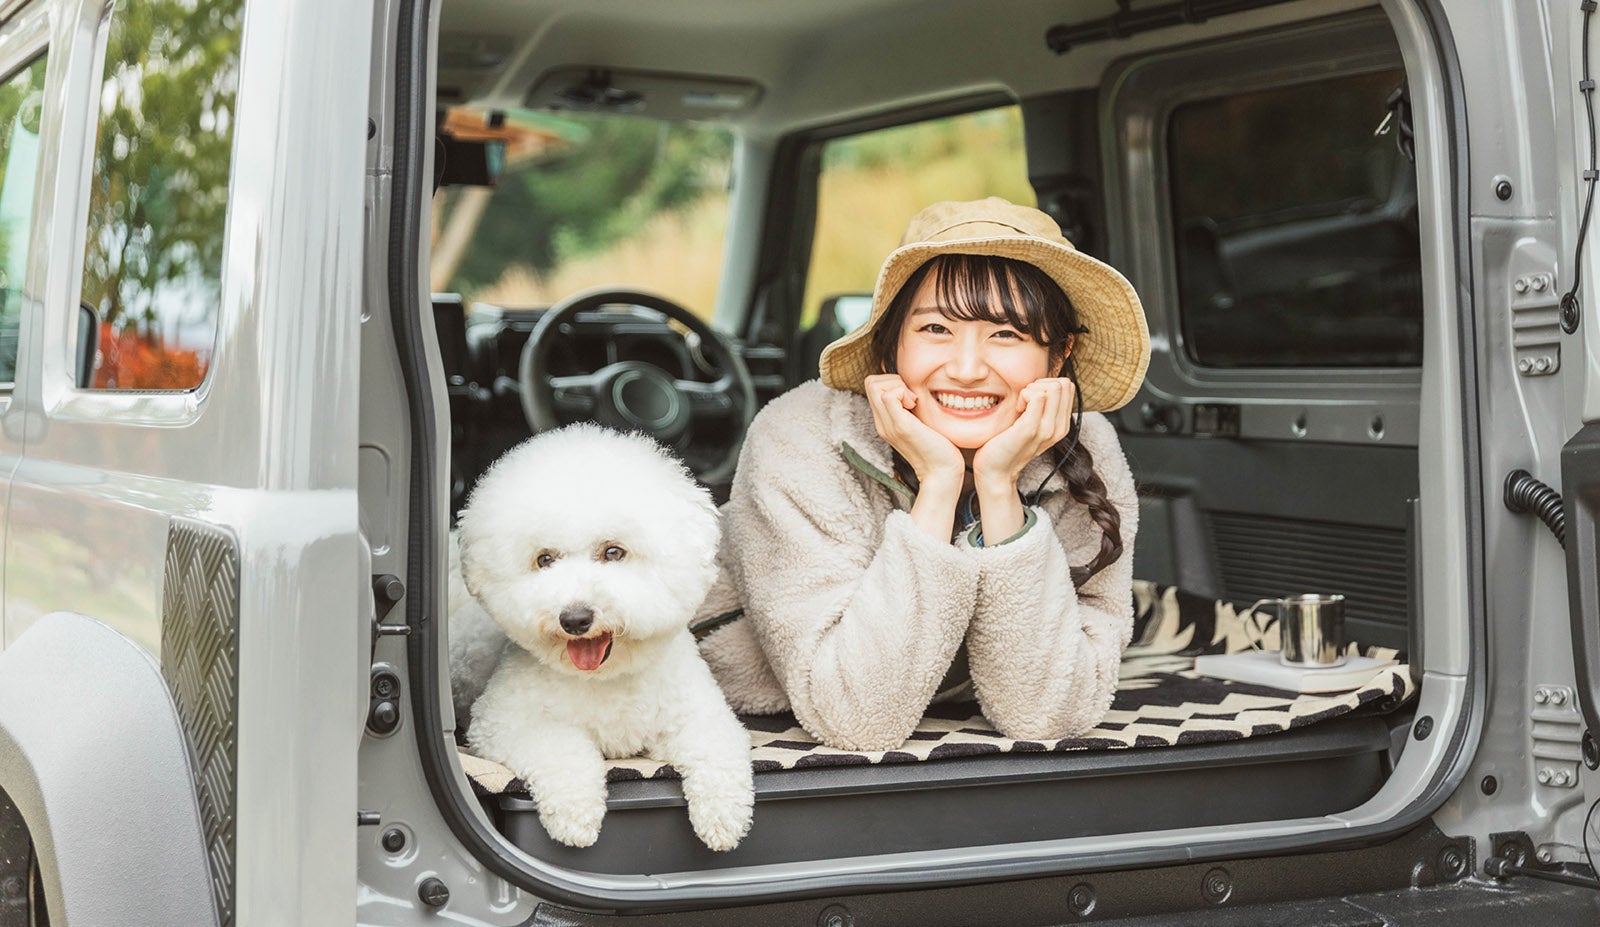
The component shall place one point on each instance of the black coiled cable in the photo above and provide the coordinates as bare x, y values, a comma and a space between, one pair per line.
1524, 493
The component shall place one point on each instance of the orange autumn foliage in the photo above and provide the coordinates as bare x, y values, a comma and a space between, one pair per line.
131, 359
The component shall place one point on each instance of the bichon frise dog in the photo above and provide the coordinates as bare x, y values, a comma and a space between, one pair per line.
590, 550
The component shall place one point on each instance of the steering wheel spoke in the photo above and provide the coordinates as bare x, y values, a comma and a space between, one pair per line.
574, 396
709, 400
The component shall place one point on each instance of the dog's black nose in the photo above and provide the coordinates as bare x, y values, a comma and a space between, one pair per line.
577, 619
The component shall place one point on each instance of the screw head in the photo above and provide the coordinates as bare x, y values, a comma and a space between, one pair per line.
1489, 785
385, 686
1422, 728
12, 887
1557, 697
836, 915
433, 892
1545, 776
1544, 855
1521, 285
1452, 863
1217, 886
1502, 189
393, 840
1081, 899
1524, 366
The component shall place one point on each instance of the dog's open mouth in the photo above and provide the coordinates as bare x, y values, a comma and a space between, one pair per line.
587, 653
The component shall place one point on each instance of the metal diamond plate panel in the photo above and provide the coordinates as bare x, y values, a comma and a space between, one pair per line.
200, 659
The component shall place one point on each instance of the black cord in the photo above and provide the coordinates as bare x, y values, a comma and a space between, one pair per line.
1524, 493
1569, 301
1586, 853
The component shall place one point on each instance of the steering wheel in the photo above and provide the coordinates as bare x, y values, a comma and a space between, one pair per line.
635, 395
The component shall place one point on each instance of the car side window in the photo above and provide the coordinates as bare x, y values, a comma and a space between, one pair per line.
158, 192
872, 182
21, 104
1296, 227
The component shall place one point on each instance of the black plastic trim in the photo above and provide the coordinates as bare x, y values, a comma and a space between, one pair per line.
436, 754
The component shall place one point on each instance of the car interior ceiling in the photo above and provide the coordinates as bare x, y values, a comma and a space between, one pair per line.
1224, 519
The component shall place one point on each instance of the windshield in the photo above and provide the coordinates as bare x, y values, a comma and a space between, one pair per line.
585, 200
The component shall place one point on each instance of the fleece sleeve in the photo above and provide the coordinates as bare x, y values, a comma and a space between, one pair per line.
1045, 655
858, 631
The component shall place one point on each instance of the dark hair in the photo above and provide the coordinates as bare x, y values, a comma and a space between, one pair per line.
1030, 301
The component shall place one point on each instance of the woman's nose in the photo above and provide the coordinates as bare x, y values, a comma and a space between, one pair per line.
966, 362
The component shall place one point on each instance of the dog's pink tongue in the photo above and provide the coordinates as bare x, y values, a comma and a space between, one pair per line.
587, 653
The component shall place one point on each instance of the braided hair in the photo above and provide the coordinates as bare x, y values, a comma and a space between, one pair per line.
1006, 291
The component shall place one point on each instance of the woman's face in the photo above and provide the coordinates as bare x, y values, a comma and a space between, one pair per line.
966, 375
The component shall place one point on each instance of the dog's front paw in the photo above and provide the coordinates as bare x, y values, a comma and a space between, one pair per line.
721, 825
576, 824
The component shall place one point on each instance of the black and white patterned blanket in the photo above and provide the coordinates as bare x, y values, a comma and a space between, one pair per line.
1160, 701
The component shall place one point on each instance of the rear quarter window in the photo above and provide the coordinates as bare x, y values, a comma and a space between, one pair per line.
1295, 224
158, 193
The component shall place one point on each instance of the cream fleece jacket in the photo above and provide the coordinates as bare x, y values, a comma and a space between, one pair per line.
853, 615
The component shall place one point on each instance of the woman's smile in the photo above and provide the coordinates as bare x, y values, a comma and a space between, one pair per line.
966, 404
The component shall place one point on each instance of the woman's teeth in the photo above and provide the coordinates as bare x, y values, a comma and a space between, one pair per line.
966, 402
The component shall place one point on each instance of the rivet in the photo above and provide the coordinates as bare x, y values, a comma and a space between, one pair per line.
393, 840
1489, 785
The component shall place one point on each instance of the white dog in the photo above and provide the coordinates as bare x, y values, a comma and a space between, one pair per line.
590, 550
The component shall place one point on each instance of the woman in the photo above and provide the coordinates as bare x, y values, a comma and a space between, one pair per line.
935, 518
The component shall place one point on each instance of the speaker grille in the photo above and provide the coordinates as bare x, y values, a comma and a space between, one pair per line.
1260, 557
200, 660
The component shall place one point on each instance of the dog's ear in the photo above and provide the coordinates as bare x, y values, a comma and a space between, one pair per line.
464, 568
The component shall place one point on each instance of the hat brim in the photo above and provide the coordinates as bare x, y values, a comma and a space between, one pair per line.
1110, 359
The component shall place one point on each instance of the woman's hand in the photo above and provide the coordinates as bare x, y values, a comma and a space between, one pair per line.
1045, 417
931, 455
939, 466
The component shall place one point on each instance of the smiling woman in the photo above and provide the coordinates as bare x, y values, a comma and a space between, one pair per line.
937, 517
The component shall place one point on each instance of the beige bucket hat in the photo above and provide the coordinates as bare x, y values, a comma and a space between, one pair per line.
1110, 358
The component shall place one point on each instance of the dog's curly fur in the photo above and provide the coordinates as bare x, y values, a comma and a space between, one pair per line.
577, 534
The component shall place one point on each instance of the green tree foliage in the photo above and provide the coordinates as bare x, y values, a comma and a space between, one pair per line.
158, 199
21, 99
586, 194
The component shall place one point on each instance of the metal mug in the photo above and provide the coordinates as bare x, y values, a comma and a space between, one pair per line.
1310, 629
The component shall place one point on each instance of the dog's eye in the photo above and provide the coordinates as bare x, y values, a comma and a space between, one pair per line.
613, 552
544, 560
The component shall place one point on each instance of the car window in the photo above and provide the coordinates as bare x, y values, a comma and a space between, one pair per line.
585, 200
21, 98
872, 183
158, 194
1296, 227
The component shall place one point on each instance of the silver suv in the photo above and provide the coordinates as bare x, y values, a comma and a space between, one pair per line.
279, 279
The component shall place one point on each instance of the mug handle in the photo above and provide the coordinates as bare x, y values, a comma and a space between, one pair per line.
1254, 632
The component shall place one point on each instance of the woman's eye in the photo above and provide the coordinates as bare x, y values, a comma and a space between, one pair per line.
613, 552
934, 328
1006, 334
544, 560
